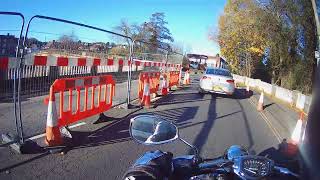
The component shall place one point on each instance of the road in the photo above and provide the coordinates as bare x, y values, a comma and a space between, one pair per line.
104, 149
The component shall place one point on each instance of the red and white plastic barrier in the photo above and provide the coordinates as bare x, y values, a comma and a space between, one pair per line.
57, 119
37, 60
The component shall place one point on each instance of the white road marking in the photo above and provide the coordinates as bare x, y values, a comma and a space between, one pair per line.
70, 127
267, 121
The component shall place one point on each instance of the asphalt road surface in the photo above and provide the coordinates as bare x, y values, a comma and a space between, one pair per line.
104, 149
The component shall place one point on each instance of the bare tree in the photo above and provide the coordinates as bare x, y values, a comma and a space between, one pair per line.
68, 41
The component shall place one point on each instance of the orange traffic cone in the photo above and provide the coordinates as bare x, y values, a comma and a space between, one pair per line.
146, 101
292, 146
260, 103
298, 132
188, 79
53, 136
185, 82
180, 73
164, 90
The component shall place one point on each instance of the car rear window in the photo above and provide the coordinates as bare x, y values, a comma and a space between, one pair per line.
218, 72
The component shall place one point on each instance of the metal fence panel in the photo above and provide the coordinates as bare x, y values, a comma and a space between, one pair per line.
52, 54
10, 35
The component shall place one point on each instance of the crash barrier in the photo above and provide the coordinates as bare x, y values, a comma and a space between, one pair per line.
294, 98
283, 94
50, 60
83, 108
40, 71
174, 78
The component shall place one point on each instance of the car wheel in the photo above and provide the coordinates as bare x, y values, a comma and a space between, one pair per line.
201, 91
232, 95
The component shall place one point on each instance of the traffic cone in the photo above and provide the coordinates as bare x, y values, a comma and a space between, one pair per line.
180, 73
292, 146
146, 101
298, 131
53, 136
188, 78
164, 90
248, 90
185, 81
260, 103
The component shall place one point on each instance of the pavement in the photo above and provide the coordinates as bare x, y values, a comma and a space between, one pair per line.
102, 147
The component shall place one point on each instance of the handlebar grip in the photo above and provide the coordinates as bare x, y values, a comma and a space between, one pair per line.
286, 171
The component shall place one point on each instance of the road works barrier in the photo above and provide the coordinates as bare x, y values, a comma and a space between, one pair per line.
294, 98
149, 83
65, 116
174, 78
154, 81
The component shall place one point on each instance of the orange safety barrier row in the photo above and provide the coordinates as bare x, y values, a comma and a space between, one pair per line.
154, 80
105, 85
174, 78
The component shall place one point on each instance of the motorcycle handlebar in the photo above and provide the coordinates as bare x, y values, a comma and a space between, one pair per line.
213, 166
286, 171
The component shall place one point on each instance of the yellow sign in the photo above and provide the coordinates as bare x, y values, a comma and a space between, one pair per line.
216, 88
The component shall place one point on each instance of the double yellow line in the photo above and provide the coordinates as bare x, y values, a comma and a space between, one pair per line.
272, 128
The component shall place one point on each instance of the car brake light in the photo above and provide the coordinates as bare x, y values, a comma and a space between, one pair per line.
230, 81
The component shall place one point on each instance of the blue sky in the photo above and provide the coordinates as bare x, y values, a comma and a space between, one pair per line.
189, 20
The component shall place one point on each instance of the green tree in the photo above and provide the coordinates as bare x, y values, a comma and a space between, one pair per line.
280, 33
160, 34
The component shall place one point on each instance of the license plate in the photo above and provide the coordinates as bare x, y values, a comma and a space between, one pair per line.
216, 88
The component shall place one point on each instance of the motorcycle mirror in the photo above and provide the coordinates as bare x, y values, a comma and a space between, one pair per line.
152, 130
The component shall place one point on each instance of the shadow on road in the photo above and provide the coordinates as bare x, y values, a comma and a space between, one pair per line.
179, 116
118, 130
202, 137
201, 122
24, 162
242, 94
265, 106
114, 132
248, 128
180, 98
